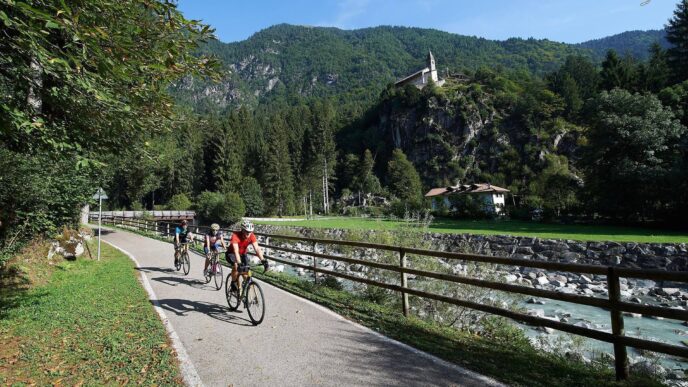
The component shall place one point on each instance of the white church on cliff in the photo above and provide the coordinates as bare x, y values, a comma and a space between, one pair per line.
422, 78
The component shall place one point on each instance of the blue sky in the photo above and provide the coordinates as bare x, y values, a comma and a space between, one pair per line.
570, 21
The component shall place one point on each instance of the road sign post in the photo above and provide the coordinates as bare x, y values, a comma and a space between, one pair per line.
100, 195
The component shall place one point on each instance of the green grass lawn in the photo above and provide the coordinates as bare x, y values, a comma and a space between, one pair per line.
88, 323
506, 227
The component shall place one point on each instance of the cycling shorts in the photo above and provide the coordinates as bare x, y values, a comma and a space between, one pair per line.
215, 247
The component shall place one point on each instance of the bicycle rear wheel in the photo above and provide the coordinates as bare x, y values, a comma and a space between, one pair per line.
186, 263
232, 295
255, 303
218, 275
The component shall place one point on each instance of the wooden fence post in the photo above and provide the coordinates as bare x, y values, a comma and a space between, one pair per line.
315, 265
404, 279
620, 354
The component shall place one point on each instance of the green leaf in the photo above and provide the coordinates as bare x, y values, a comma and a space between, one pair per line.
51, 24
5, 19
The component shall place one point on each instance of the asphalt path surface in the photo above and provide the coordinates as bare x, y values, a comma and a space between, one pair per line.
299, 343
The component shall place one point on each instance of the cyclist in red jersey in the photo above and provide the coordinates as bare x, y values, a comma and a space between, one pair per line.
237, 257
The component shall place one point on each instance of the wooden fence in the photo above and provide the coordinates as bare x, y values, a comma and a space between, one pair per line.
614, 304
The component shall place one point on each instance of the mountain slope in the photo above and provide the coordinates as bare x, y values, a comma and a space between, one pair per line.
635, 43
285, 63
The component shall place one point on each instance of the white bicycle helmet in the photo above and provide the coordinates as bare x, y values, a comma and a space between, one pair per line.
215, 227
246, 225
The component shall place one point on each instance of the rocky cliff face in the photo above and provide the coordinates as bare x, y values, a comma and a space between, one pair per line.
462, 132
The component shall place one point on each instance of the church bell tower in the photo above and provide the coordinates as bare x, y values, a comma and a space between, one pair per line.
432, 67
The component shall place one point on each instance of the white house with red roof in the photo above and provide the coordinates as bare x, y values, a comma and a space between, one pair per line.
492, 196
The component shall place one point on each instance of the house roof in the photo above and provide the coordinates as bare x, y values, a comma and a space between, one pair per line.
417, 73
466, 189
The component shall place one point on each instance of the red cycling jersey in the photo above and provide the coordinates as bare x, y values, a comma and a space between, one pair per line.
243, 243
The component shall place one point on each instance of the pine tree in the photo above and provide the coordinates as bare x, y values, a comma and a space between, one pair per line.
657, 71
616, 72
278, 181
677, 35
404, 181
227, 166
368, 182
571, 94
320, 154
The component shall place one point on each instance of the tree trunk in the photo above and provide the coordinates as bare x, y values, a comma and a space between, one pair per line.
34, 95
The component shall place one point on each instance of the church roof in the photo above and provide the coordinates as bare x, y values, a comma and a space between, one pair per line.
417, 73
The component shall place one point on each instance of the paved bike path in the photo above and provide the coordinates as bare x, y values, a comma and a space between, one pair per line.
298, 344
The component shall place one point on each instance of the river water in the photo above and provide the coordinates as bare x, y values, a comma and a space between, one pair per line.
666, 331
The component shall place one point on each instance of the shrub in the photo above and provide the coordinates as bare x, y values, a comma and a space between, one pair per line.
331, 282
179, 202
231, 209
207, 204
469, 206
38, 195
402, 209
215, 207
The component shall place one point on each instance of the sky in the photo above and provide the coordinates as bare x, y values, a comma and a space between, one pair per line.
570, 21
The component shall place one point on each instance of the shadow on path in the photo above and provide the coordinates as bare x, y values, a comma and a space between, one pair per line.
218, 312
176, 281
152, 269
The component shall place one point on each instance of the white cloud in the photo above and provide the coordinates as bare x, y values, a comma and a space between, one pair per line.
347, 12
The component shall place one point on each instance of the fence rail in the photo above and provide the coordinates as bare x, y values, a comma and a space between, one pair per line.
612, 303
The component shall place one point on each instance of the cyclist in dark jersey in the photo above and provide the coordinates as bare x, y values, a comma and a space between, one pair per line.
181, 234
237, 257
213, 241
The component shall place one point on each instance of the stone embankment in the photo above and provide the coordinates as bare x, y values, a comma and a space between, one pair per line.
655, 256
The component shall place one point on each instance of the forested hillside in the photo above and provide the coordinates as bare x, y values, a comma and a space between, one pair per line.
285, 63
516, 113
300, 118
634, 43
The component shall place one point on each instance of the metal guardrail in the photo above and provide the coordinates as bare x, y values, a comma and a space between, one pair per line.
613, 303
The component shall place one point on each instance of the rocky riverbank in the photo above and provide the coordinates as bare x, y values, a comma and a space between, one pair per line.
656, 256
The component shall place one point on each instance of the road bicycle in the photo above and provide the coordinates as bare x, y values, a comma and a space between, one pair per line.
214, 270
251, 295
182, 258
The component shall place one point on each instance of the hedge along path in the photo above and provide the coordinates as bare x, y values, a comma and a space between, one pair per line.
299, 343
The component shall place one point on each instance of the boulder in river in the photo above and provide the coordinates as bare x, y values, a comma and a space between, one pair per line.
648, 368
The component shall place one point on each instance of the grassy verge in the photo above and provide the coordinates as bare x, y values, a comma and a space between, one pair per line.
74, 322
505, 357
506, 227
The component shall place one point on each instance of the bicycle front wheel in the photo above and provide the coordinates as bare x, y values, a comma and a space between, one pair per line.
209, 272
177, 261
218, 275
186, 263
255, 303
232, 295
